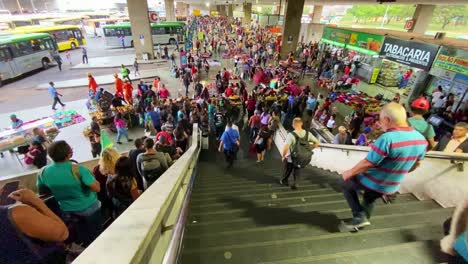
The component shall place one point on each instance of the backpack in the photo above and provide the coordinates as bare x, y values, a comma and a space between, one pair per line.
151, 168
301, 152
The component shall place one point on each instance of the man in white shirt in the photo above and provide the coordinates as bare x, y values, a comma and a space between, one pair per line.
439, 103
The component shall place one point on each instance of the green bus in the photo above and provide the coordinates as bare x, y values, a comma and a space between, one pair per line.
22, 53
163, 33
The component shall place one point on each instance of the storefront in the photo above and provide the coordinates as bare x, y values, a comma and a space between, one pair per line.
405, 64
358, 47
450, 71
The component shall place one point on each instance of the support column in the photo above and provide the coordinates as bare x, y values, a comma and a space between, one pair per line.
248, 14
170, 12
187, 8
317, 14
422, 17
230, 11
138, 14
221, 10
291, 27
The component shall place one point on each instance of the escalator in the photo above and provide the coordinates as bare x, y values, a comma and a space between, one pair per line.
242, 215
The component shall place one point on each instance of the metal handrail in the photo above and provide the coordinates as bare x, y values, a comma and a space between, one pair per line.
173, 250
430, 154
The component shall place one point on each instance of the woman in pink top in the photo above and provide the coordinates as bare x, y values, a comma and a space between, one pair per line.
163, 92
121, 126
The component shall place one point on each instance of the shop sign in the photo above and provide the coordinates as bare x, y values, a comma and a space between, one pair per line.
453, 64
196, 12
413, 54
409, 24
336, 35
366, 41
442, 73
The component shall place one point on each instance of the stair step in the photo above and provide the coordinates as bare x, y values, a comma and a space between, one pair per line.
247, 186
254, 252
262, 216
309, 227
404, 253
201, 197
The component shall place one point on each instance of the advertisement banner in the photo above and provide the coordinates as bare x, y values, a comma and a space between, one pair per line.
336, 34
454, 64
366, 41
414, 54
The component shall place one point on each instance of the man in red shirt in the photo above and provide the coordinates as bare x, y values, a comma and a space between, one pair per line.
118, 85
227, 75
92, 85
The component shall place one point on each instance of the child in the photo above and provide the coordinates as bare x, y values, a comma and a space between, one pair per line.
121, 127
36, 155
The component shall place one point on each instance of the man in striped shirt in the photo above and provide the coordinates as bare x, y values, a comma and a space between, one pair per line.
394, 154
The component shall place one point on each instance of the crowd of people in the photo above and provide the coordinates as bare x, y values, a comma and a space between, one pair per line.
229, 111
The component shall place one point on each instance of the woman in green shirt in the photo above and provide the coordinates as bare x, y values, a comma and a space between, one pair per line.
74, 187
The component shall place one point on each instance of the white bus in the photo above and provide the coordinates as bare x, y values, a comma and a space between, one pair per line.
22, 53
163, 33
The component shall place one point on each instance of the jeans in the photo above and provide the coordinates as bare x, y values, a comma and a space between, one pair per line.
85, 59
351, 189
57, 100
121, 131
253, 133
288, 169
230, 156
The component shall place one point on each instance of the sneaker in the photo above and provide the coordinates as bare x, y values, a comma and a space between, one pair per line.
293, 187
356, 223
130, 140
118, 142
283, 183
54, 109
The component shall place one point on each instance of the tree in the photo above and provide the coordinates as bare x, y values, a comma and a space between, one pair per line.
399, 11
445, 14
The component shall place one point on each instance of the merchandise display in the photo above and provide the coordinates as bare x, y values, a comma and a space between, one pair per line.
390, 74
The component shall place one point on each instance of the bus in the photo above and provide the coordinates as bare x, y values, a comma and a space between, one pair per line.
163, 33
22, 53
66, 36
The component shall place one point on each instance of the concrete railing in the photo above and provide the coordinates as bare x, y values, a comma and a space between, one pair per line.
142, 233
441, 176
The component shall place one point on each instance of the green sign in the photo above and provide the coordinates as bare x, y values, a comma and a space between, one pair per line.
357, 41
336, 34
365, 41
338, 44
453, 64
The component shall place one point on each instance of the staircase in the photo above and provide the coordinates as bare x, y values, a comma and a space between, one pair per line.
242, 215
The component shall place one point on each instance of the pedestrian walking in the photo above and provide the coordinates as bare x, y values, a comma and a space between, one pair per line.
121, 127
68, 57
229, 143
125, 72
58, 59
92, 84
136, 67
297, 152
54, 95
84, 50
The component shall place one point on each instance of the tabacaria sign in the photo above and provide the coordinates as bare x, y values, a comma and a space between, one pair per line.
413, 54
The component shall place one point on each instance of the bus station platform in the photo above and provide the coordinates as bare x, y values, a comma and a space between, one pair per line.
113, 62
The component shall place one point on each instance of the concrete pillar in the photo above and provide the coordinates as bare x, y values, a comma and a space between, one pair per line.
230, 11
317, 14
291, 27
248, 14
187, 8
221, 10
422, 17
138, 14
170, 12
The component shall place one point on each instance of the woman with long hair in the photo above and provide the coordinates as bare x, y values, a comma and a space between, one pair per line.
122, 186
180, 137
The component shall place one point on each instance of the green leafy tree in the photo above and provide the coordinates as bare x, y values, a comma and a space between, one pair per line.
447, 13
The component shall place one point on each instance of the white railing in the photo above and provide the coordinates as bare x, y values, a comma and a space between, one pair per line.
440, 177
143, 232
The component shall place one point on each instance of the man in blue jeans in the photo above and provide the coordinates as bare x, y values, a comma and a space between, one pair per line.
395, 153
230, 142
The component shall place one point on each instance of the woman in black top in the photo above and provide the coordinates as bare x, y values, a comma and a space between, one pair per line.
122, 187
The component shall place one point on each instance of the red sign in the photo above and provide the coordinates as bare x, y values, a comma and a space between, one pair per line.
153, 17
409, 24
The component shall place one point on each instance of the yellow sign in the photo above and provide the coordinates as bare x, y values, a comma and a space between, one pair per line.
375, 73
197, 12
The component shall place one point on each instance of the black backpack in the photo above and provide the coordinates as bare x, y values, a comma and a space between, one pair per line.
301, 152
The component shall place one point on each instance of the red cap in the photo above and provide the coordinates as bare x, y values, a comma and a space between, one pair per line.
421, 103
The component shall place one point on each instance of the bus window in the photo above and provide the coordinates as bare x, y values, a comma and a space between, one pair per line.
109, 32
159, 31
22, 48
37, 45
4, 54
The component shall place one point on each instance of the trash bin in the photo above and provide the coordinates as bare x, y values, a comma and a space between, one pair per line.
145, 56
